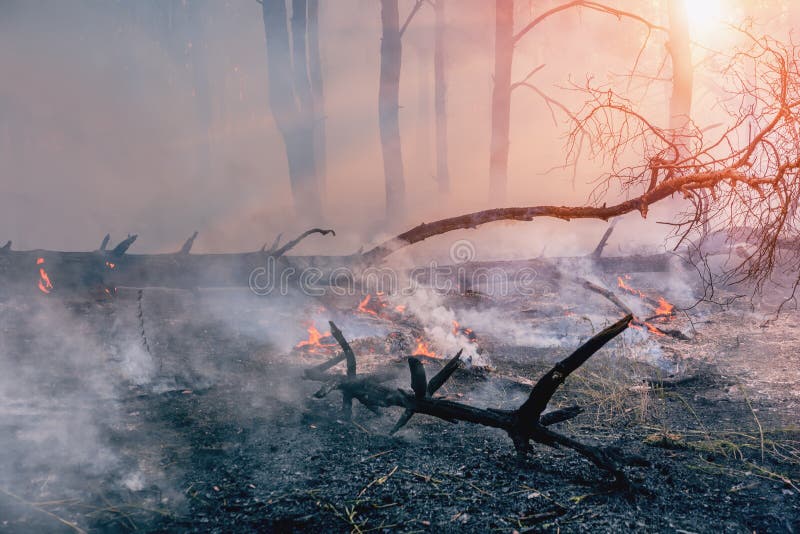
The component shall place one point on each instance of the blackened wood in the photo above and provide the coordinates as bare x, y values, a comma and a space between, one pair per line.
347, 397
124, 245
187, 246
434, 384
419, 382
544, 389
294, 242
598, 251
444, 373
518, 424
559, 416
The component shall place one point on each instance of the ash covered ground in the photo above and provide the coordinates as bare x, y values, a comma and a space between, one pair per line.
214, 428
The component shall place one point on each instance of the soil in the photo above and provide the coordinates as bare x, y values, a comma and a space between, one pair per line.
224, 435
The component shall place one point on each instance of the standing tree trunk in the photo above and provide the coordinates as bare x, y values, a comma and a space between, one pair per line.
680, 105
388, 111
422, 133
294, 123
501, 101
440, 98
317, 93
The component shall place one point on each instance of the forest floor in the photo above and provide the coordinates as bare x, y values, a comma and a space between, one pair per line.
222, 434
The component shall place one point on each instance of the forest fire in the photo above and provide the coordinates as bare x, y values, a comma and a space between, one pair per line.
552, 246
45, 285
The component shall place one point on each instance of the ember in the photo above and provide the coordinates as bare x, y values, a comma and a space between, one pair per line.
44, 279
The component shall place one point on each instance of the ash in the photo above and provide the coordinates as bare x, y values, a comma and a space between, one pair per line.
210, 427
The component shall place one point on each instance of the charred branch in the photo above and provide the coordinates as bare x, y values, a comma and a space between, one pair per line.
528, 423
432, 387
530, 412
123, 246
293, 243
598, 251
187, 246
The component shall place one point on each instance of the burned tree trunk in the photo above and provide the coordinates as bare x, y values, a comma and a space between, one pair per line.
294, 122
440, 97
501, 100
260, 270
317, 93
389, 110
104, 270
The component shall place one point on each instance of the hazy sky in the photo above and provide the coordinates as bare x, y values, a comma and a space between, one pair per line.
152, 117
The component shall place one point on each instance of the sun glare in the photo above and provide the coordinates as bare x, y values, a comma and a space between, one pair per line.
703, 14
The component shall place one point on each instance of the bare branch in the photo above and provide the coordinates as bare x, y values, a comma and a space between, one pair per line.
595, 6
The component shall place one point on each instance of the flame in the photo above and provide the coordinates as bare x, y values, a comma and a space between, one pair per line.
653, 330
378, 306
423, 349
466, 332
110, 265
664, 307
637, 324
362, 306
621, 283
44, 279
314, 341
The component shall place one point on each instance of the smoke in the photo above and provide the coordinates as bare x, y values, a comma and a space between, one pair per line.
153, 118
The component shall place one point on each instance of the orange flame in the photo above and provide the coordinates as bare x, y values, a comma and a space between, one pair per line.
664, 307
621, 283
423, 349
314, 341
110, 265
362, 306
637, 324
44, 279
653, 330
400, 308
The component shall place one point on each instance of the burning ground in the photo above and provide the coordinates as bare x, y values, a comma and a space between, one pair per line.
212, 426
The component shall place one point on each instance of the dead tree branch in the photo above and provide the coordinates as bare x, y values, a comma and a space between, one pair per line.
528, 423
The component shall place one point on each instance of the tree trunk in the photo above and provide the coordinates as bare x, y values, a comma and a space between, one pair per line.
317, 93
294, 125
422, 133
501, 101
388, 111
680, 106
440, 98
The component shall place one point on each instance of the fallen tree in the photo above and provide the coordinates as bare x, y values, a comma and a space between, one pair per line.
528, 423
106, 269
